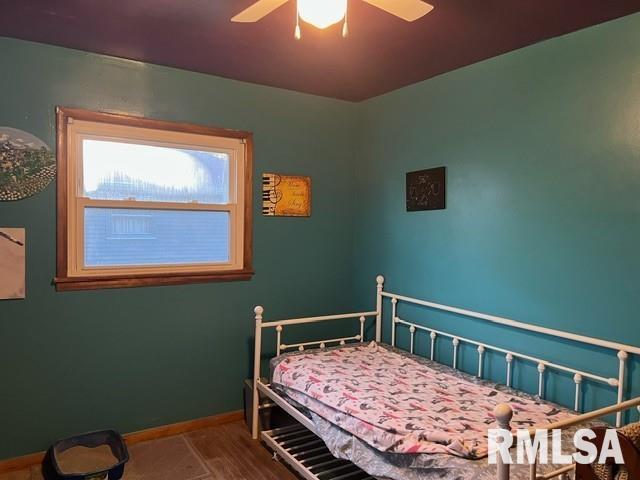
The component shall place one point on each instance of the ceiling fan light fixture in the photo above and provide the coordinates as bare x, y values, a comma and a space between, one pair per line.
322, 13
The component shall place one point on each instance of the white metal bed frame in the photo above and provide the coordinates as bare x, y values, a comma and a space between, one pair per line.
502, 412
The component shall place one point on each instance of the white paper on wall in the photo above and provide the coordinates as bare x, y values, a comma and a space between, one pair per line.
12, 263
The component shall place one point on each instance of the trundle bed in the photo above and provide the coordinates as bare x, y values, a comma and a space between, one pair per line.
370, 410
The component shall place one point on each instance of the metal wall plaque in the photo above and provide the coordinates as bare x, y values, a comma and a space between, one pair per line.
426, 189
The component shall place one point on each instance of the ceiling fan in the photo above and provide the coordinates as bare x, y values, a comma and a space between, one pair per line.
324, 13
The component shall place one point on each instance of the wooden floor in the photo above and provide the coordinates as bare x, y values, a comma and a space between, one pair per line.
225, 452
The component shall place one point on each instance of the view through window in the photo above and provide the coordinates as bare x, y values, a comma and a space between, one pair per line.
144, 202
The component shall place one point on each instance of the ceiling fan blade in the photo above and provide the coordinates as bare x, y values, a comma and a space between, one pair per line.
258, 10
408, 10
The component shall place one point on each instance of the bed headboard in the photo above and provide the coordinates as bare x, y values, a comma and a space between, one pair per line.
619, 352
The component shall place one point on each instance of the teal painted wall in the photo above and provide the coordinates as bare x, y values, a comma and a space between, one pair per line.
136, 358
542, 148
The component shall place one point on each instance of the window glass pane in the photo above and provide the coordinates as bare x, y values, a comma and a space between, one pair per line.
120, 171
126, 237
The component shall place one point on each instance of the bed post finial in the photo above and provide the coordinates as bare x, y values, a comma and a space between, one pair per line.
380, 286
503, 414
258, 310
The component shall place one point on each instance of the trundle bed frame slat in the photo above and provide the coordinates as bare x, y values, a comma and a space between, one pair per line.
319, 465
283, 441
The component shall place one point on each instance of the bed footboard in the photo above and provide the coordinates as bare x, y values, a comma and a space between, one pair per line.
503, 414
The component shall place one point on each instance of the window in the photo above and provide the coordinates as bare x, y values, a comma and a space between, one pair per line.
147, 202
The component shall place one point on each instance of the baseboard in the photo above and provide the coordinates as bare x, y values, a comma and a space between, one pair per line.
154, 433
20, 463
183, 427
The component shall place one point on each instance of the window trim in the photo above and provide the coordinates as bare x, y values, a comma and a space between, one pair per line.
67, 279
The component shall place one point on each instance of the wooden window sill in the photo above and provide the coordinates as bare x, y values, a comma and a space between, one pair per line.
64, 284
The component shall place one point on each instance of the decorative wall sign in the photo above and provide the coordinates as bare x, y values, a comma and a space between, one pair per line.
12, 263
26, 164
286, 195
426, 190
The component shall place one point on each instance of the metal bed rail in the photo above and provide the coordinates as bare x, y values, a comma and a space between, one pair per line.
279, 325
307, 454
622, 351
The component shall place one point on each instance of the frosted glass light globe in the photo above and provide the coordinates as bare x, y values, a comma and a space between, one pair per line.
322, 13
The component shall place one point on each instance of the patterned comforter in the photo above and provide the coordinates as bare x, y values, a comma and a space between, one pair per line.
398, 403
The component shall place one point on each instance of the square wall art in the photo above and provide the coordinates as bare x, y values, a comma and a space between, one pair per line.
286, 195
426, 189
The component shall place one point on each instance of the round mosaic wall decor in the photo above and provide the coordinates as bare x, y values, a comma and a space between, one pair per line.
26, 164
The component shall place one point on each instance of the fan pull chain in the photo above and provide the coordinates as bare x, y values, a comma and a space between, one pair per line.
298, 33
345, 27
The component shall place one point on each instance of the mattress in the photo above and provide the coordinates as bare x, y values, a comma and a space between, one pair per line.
400, 403
401, 416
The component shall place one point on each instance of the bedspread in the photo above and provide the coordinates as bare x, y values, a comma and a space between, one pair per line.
397, 403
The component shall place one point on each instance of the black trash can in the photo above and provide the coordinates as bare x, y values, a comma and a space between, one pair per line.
54, 470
